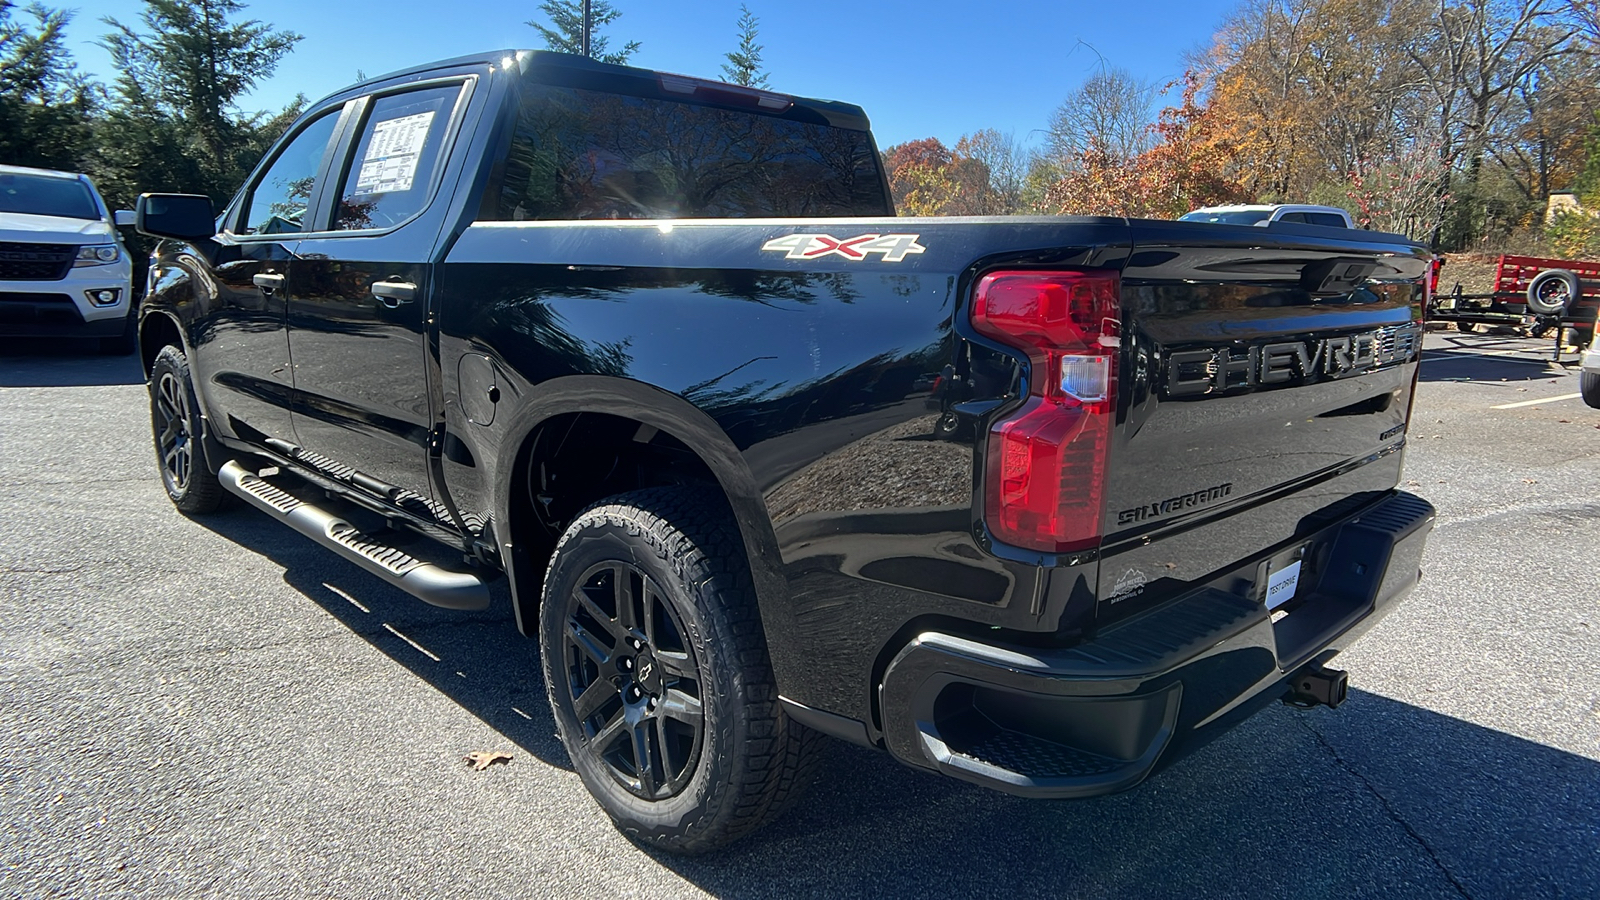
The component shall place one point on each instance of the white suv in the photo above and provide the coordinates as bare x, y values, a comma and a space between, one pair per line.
63, 269
1264, 214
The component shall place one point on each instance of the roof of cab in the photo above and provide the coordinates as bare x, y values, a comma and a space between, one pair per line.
530, 59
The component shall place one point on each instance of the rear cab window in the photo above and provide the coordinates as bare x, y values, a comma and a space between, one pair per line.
388, 179
578, 153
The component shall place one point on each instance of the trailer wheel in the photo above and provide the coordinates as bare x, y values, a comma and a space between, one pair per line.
1589, 386
1466, 327
1551, 292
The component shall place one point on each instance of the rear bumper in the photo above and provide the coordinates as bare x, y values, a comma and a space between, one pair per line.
1101, 716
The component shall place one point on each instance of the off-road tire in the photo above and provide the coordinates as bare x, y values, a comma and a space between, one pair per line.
187, 475
684, 557
1589, 387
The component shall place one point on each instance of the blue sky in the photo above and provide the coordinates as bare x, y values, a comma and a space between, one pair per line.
936, 67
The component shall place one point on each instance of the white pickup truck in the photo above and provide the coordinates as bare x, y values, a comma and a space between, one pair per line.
64, 271
1264, 214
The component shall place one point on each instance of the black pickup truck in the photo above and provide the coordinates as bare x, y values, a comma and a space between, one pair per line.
1039, 503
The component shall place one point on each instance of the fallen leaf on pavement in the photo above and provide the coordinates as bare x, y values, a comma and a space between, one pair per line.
483, 759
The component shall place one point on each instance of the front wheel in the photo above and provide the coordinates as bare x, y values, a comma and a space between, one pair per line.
658, 673
186, 474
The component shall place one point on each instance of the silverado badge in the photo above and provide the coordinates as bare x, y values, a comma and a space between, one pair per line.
894, 247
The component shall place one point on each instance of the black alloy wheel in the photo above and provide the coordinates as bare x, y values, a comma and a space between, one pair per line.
655, 661
174, 443
633, 680
191, 483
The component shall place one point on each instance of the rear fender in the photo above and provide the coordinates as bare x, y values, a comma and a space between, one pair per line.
659, 409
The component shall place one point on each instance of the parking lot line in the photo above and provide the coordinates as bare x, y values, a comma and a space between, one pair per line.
1537, 402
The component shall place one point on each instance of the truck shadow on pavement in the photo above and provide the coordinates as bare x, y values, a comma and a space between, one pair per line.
60, 362
479, 660
1379, 798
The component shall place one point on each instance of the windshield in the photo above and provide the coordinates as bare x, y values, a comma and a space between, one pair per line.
43, 195
1236, 217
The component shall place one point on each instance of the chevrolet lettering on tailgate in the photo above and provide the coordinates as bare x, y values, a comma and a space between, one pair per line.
1214, 370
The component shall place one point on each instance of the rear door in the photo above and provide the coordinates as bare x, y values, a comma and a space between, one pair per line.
358, 309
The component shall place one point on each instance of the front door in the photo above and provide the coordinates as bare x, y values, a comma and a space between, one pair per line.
358, 310
249, 381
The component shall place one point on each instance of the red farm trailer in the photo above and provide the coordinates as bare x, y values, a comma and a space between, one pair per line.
1541, 295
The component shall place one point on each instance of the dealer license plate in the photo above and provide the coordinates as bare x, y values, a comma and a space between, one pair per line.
1281, 584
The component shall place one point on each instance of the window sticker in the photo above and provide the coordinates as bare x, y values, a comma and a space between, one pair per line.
393, 154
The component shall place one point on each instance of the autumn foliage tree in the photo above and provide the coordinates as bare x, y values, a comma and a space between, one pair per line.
982, 176
1187, 166
1321, 93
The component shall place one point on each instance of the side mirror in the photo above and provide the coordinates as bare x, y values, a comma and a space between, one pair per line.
125, 218
183, 217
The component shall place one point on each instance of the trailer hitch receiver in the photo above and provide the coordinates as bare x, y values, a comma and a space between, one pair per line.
1317, 686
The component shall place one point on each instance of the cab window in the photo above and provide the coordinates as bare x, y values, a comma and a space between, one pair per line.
389, 177
279, 201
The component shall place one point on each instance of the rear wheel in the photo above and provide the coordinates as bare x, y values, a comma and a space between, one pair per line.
1589, 386
186, 474
658, 674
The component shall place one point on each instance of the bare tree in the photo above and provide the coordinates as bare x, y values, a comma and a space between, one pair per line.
1110, 112
1472, 56
1585, 15
1005, 164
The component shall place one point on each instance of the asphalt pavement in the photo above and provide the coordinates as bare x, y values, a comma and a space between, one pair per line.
219, 708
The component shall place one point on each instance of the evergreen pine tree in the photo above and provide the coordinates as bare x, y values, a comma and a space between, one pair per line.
565, 34
175, 123
744, 65
45, 103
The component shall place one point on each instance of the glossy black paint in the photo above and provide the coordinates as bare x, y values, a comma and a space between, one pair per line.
840, 404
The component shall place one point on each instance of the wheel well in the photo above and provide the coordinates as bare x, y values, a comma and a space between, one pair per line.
572, 460
155, 332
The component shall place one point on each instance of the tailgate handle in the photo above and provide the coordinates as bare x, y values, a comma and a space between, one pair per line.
1336, 276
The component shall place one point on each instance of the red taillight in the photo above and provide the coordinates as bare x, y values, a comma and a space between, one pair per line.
1047, 463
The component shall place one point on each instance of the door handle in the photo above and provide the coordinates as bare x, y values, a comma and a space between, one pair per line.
268, 281
393, 293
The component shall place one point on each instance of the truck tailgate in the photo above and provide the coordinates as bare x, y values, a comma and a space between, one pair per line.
1259, 385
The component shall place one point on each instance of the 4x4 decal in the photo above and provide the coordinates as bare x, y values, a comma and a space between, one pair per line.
894, 247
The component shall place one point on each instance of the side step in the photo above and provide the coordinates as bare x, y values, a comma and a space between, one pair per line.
423, 580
